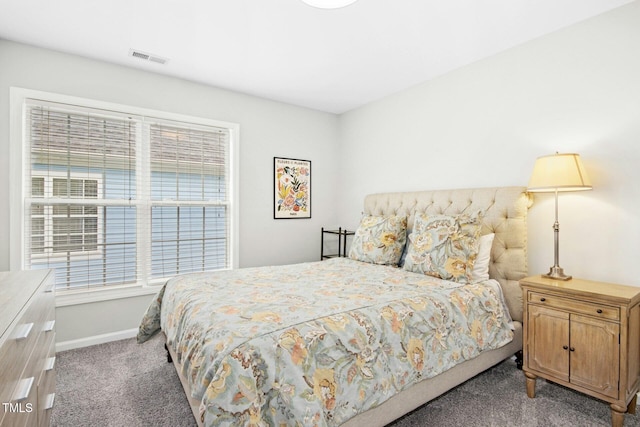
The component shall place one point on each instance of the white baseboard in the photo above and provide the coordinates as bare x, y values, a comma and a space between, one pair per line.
96, 339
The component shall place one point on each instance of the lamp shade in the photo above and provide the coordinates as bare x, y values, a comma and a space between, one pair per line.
329, 4
559, 172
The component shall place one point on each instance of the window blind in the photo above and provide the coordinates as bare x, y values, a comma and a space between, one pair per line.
189, 218
118, 199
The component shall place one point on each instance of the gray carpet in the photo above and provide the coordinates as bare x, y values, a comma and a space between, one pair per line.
123, 384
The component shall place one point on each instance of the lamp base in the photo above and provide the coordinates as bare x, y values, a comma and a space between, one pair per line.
556, 273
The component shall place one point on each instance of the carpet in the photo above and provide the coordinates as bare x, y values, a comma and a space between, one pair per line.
124, 384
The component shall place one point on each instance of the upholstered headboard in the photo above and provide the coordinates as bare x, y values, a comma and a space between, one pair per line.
505, 214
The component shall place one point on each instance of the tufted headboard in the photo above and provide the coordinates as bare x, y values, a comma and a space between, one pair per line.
505, 214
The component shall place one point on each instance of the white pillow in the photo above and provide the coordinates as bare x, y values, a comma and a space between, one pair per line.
480, 270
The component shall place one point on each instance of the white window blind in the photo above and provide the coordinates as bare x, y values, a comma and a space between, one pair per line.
189, 217
123, 199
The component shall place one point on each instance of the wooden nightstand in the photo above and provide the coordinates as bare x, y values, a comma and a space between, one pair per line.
586, 336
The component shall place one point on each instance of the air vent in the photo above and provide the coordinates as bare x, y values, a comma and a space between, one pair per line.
147, 57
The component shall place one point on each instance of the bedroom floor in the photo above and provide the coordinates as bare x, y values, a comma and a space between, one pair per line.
125, 384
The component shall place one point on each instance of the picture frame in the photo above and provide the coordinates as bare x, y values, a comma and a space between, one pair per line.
292, 188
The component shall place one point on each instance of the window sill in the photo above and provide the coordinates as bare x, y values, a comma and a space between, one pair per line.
67, 298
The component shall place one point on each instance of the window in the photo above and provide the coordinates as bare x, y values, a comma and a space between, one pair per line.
187, 167
119, 197
66, 230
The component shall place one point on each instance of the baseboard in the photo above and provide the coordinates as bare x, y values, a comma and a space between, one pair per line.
96, 339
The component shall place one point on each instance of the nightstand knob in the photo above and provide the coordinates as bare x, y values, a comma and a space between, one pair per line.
599, 311
572, 349
565, 347
543, 299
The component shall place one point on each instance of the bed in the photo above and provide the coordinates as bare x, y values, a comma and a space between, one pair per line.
354, 341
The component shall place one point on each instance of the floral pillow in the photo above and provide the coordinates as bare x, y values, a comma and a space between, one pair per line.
379, 239
444, 246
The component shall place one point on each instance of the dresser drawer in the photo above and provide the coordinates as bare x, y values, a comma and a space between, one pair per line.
22, 404
47, 383
26, 343
12, 358
23, 413
24, 335
17, 349
580, 307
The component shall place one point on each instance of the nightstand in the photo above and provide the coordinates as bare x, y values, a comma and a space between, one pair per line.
342, 242
584, 335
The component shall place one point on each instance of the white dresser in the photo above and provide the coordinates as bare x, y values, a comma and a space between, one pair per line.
27, 348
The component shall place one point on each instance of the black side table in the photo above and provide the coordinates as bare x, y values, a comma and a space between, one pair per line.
342, 242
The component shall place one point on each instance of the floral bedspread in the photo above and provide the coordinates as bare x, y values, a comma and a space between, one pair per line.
317, 343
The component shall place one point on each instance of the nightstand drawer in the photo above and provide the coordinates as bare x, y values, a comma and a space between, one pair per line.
580, 307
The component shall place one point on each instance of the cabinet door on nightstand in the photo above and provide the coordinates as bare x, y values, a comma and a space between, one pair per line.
548, 340
595, 355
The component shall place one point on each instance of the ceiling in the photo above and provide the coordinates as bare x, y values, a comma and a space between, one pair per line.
329, 60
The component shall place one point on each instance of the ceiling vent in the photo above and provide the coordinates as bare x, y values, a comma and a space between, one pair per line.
147, 57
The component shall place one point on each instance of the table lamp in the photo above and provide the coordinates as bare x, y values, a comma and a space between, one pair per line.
553, 174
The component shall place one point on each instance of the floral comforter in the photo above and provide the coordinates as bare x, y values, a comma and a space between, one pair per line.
317, 343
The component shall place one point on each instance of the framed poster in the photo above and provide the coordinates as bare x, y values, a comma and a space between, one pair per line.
292, 188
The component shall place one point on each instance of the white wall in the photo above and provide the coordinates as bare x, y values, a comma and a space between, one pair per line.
267, 129
577, 90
